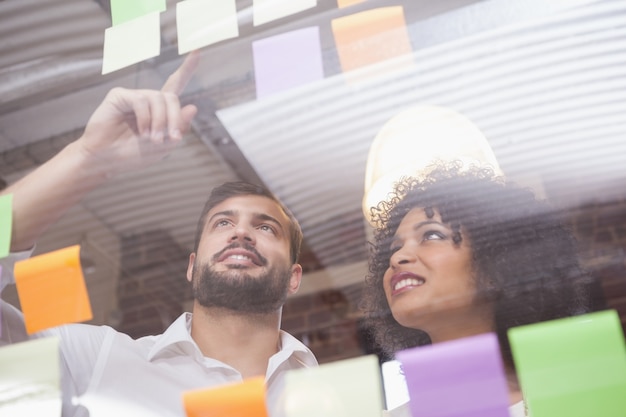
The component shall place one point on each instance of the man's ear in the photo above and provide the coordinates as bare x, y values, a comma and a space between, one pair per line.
296, 278
192, 258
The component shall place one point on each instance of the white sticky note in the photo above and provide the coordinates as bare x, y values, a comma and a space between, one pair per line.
204, 22
264, 11
131, 42
350, 387
30, 378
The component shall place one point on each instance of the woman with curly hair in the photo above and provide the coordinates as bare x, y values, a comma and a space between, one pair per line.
462, 252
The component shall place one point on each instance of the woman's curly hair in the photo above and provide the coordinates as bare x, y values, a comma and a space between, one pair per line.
525, 260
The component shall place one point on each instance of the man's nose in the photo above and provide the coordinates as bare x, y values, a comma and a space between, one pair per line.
242, 233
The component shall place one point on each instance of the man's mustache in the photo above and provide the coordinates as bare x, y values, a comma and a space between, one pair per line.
244, 246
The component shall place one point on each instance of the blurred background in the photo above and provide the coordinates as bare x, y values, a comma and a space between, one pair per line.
545, 82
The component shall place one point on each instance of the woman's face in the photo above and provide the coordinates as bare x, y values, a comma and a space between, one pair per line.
429, 280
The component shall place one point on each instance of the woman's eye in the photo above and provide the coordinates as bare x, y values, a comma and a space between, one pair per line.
434, 235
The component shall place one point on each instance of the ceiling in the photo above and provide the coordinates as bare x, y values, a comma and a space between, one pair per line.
544, 82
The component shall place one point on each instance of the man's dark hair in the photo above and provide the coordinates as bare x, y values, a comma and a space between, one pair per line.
240, 188
524, 259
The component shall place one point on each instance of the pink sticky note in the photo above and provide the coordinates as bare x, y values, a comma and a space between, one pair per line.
461, 378
287, 60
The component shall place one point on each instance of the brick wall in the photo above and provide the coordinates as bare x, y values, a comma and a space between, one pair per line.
601, 229
327, 322
152, 286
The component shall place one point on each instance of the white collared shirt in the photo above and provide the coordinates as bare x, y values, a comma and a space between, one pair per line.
110, 374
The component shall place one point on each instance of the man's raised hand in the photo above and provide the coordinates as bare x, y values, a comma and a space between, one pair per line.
132, 128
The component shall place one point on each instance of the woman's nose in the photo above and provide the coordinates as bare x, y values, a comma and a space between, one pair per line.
404, 255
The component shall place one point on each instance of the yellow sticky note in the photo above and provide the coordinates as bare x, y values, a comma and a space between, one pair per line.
345, 3
371, 37
30, 378
245, 399
131, 42
351, 387
200, 23
264, 11
52, 290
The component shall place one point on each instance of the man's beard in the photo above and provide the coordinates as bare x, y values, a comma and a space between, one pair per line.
237, 290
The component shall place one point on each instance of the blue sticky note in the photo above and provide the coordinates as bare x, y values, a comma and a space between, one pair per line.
351, 387
572, 367
287, 60
461, 378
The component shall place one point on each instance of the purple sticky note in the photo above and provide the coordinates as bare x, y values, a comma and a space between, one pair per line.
462, 378
287, 60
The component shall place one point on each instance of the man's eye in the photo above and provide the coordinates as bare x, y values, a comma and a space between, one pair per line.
222, 223
266, 228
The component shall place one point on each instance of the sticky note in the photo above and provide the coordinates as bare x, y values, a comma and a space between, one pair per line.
346, 3
350, 387
264, 11
131, 42
245, 399
30, 378
52, 290
126, 10
6, 224
287, 60
200, 23
1, 305
572, 367
460, 378
371, 37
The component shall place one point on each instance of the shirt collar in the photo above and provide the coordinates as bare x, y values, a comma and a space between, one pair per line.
178, 334
290, 346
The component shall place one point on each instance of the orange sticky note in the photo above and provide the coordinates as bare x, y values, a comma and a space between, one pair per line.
244, 399
345, 3
52, 290
371, 37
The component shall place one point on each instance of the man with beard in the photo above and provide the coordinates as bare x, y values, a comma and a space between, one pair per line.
243, 267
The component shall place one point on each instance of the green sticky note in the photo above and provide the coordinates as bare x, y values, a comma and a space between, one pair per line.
350, 387
573, 367
125, 10
6, 224
30, 378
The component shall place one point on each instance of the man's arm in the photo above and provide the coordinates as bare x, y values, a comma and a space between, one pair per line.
130, 129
